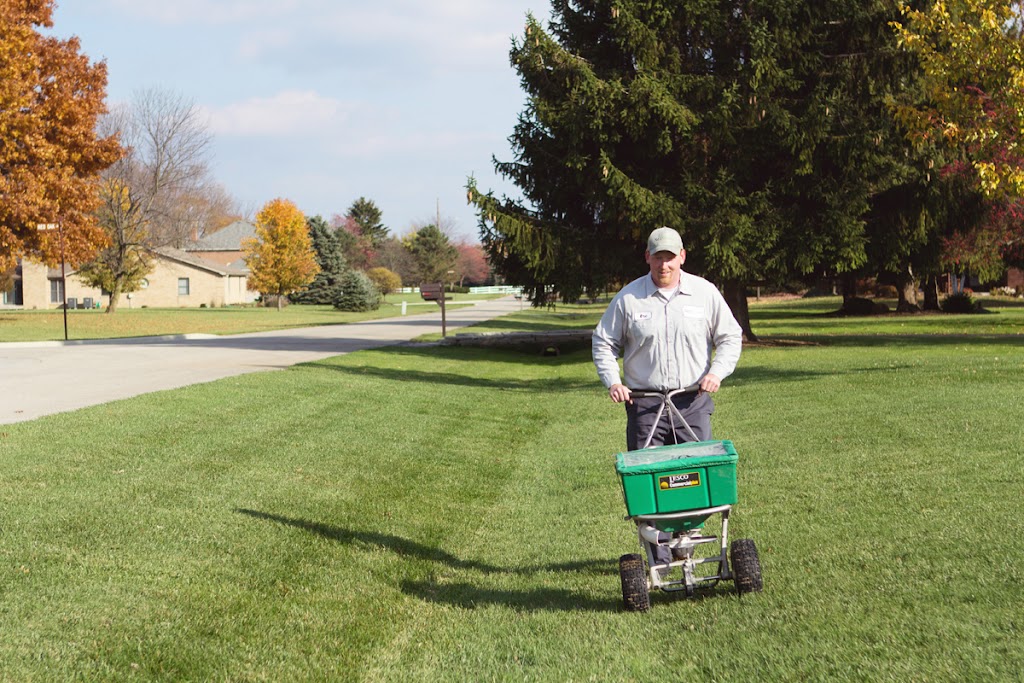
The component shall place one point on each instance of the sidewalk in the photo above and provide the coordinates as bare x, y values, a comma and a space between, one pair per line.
43, 378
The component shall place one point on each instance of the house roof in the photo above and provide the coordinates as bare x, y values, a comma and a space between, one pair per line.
228, 238
198, 262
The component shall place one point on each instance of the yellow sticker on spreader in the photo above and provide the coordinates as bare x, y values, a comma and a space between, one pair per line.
679, 481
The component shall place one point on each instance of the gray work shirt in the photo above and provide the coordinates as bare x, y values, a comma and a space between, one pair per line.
666, 343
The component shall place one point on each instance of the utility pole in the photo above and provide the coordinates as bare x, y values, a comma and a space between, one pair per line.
444, 321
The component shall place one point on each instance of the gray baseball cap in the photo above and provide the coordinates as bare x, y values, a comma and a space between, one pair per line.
664, 239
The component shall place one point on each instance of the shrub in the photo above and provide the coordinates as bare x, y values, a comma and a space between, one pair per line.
862, 306
1004, 291
387, 281
357, 293
960, 303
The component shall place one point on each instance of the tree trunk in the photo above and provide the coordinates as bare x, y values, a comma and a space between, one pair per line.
735, 293
906, 288
115, 296
848, 283
931, 294
279, 297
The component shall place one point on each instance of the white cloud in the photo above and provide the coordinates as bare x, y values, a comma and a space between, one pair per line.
438, 34
291, 112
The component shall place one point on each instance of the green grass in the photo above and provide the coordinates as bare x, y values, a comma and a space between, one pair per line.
446, 514
813, 317
16, 325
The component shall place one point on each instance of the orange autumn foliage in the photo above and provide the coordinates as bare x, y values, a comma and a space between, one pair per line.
50, 155
281, 258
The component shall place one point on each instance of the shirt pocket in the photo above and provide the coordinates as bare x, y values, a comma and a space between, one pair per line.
642, 326
694, 313
693, 328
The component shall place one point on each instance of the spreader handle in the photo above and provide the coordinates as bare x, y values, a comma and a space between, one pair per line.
666, 400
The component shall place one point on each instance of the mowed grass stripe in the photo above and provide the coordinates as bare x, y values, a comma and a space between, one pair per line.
453, 514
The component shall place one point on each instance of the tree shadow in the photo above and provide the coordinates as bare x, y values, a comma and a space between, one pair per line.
545, 385
407, 548
465, 595
904, 340
468, 596
775, 375
519, 325
493, 354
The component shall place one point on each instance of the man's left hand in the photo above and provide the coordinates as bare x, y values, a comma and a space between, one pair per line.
710, 383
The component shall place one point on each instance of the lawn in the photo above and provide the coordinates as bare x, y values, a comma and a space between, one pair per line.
17, 325
451, 514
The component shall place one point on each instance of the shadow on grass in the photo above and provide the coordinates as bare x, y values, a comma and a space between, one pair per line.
407, 548
568, 321
549, 385
463, 594
903, 340
469, 596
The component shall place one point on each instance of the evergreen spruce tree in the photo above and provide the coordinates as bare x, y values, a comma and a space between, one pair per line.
329, 256
356, 292
753, 128
435, 255
368, 217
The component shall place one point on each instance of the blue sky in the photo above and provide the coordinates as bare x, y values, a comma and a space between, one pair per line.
325, 101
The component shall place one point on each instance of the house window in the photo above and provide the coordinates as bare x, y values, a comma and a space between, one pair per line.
182, 286
56, 291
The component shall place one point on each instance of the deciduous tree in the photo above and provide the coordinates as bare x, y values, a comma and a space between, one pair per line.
149, 196
471, 264
50, 152
357, 247
973, 62
385, 280
396, 257
281, 257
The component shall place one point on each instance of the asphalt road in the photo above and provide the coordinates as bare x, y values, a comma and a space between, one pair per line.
43, 378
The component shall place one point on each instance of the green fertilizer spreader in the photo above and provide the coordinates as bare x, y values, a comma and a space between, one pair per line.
670, 493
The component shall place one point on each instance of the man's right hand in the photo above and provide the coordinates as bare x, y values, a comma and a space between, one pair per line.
619, 393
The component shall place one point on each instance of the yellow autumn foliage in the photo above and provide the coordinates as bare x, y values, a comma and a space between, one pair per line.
281, 258
972, 57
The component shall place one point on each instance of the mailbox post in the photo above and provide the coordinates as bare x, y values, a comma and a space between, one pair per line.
435, 291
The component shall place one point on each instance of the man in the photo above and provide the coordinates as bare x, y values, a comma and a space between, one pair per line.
665, 325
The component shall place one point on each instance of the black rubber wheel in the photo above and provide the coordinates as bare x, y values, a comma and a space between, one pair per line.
746, 567
635, 596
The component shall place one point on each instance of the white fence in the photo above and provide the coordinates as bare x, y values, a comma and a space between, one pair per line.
494, 289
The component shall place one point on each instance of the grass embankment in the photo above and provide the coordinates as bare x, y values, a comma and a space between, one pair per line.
453, 514
16, 325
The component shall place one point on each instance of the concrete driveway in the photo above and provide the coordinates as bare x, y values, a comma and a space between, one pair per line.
42, 378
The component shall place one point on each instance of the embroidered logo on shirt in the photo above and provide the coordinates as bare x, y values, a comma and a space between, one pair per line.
643, 315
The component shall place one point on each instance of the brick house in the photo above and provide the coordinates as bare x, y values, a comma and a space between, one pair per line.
210, 272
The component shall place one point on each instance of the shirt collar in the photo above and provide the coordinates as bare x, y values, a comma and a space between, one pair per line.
683, 287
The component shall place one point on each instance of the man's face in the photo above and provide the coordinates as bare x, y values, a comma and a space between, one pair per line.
665, 267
